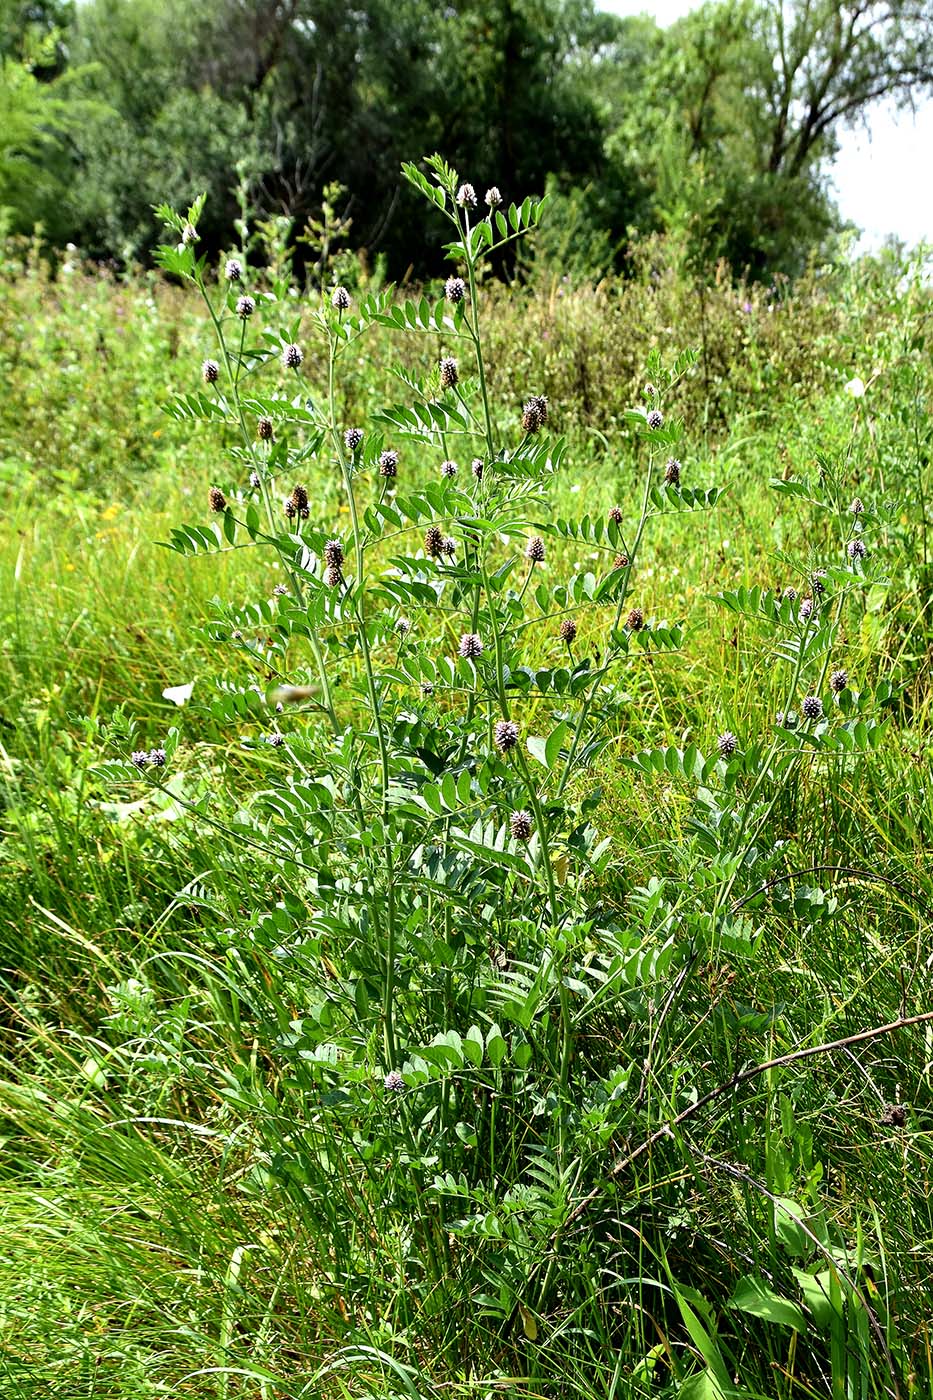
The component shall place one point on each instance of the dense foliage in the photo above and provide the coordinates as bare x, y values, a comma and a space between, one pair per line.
719, 128
407, 993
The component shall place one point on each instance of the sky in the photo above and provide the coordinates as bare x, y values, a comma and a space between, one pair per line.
881, 176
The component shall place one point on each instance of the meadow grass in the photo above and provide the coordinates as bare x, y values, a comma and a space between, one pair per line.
181, 1212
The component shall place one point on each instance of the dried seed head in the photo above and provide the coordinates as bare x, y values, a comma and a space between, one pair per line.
333, 578
635, 620
140, 758
727, 744
393, 1082
812, 707
300, 500
540, 403
471, 646
449, 469
466, 195
620, 561
433, 541
655, 419
838, 680
520, 825
353, 437
894, 1116
672, 472
856, 507
216, 499
388, 463
615, 515
455, 289
493, 197
476, 467
534, 550
266, 429
292, 356
856, 549
568, 630
531, 417
448, 546
340, 299
449, 372
210, 371
289, 507
333, 554
505, 735
245, 307
233, 270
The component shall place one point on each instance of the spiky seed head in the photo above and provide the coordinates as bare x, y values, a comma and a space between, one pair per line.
672, 472
806, 610
818, 582
427, 688
505, 735
245, 307
289, 507
292, 356
454, 289
255, 480
388, 463
471, 646
449, 469
635, 620
615, 515
520, 825
300, 499
333, 554
856, 507
856, 549
476, 467
266, 429
568, 630
393, 1082
466, 196
838, 680
493, 197
403, 626
433, 541
655, 419
531, 417
216, 499
450, 374
233, 269
812, 707
620, 561
340, 299
727, 744
534, 550
189, 235
448, 546
353, 437
210, 371
333, 578
140, 758
275, 740
540, 402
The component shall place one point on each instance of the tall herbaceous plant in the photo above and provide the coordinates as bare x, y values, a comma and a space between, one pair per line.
457, 1018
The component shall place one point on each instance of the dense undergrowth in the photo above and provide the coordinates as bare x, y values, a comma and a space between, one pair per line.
581, 1181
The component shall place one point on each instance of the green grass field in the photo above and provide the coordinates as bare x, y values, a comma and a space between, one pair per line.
193, 1201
